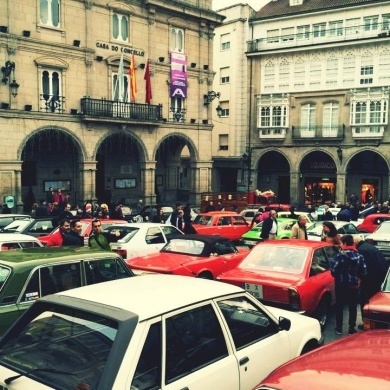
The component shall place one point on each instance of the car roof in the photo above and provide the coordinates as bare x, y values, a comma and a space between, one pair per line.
42, 255
16, 237
339, 365
296, 242
14, 215
152, 294
209, 239
223, 213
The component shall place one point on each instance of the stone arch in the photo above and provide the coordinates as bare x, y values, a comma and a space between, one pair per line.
194, 155
178, 22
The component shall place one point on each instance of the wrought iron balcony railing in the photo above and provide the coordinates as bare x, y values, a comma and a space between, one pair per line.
317, 132
176, 115
51, 103
102, 108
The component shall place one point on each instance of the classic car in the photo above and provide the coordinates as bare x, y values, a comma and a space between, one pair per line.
12, 241
151, 332
87, 228
31, 226
227, 224
252, 237
196, 255
6, 219
292, 274
142, 238
29, 274
376, 313
359, 361
381, 238
314, 231
372, 221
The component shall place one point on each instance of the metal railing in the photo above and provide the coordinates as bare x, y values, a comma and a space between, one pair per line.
51, 103
317, 132
121, 110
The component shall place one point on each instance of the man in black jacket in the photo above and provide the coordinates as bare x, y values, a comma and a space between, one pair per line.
377, 267
74, 238
269, 228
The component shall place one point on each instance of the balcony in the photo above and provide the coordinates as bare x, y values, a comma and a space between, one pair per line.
275, 133
51, 103
332, 35
318, 133
102, 110
368, 132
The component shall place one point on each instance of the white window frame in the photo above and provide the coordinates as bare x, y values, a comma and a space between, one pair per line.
51, 88
330, 119
225, 42
50, 13
115, 90
223, 141
319, 30
224, 75
386, 21
122, 30
177, 109
303, 32
308, 119
336, 28
225, 109
370, 23
177, 43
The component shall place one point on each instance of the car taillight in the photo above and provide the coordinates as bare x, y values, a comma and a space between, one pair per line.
368, 325
294, 299
121, 252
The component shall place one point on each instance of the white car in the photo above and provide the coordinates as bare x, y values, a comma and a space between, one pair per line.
381, 238
333, 210
152, 332
12, 241
314, 231
142, 238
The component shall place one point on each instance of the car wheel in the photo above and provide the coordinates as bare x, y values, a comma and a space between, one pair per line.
321, 313
206, 275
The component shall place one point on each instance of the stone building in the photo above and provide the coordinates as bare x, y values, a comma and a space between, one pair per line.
319, 100
76, 110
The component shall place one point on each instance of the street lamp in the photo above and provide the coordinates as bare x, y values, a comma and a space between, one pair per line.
340, 154
211, 95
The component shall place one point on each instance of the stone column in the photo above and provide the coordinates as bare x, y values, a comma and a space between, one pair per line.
149, 177
201, 179
18, 191
296, 196
88, 179
340, 188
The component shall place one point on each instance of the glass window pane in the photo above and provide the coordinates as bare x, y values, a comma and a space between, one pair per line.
44, 11
124, 28
115, 26
55, 10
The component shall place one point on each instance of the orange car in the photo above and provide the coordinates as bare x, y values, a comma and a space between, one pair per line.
224, 223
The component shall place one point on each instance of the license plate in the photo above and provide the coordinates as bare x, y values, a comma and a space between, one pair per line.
255, 289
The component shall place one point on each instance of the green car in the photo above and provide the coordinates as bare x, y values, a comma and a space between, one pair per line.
252, 237
28, 274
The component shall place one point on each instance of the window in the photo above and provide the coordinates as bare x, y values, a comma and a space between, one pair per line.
284, 75
97, 271
332, 69
225, 42
370, 23
177, 39
319, 30
273, 36
273, 116
194, 339
120, 27
120, 93
353, 26
315, 72
269, 76
384, 66
386, 22
225, 109
225, 78
148, 372
154, 236
288, 34
308, 117
319, 263
246, 322
299, 74
51, 91
177, 109
366, 70
50, 13
336, 28
303, 32
330, 119
223, 142
349, 68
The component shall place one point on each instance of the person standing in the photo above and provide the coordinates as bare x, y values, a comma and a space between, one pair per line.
50, 195
66, 213
101, 240
328, 216
269, 229
42, 210
57, 238
377, 267
348, 268
175, 213
159, 217
187, 220
74, 238
330, 234
299, 228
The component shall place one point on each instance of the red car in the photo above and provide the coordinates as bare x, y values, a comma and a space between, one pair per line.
376, 313
372, 221
291, 274
192, 255
86, 230
359, 361
224, 223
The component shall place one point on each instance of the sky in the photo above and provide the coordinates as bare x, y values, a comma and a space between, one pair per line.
255, 4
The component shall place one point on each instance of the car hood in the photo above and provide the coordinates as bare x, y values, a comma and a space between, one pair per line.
161, 262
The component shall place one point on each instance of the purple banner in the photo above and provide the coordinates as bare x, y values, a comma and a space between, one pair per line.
178, 75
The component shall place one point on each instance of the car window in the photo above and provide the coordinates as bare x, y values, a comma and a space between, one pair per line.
17, 225
350, 229
154, 236
147, 375
9, 246
42, 227
330, 251
247, 323
4, 274
65, 348
5, 221
223, 248
189, 247
319, 263
203, 220
30, 244
194, 339
238, 220
103, 270
170, 232
224, 221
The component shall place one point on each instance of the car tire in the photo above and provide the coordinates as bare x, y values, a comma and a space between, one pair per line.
206, 275
322, 312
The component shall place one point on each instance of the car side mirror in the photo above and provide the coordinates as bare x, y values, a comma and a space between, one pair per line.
284, 323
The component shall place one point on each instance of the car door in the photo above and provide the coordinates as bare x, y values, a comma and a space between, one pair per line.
260, 346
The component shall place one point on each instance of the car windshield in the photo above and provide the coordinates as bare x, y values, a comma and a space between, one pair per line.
275, 258
202, 220
383, 228
386, 283
61, 348
17, 226
188, 247
126, 233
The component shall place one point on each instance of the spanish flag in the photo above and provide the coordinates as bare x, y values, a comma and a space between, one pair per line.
133, 80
